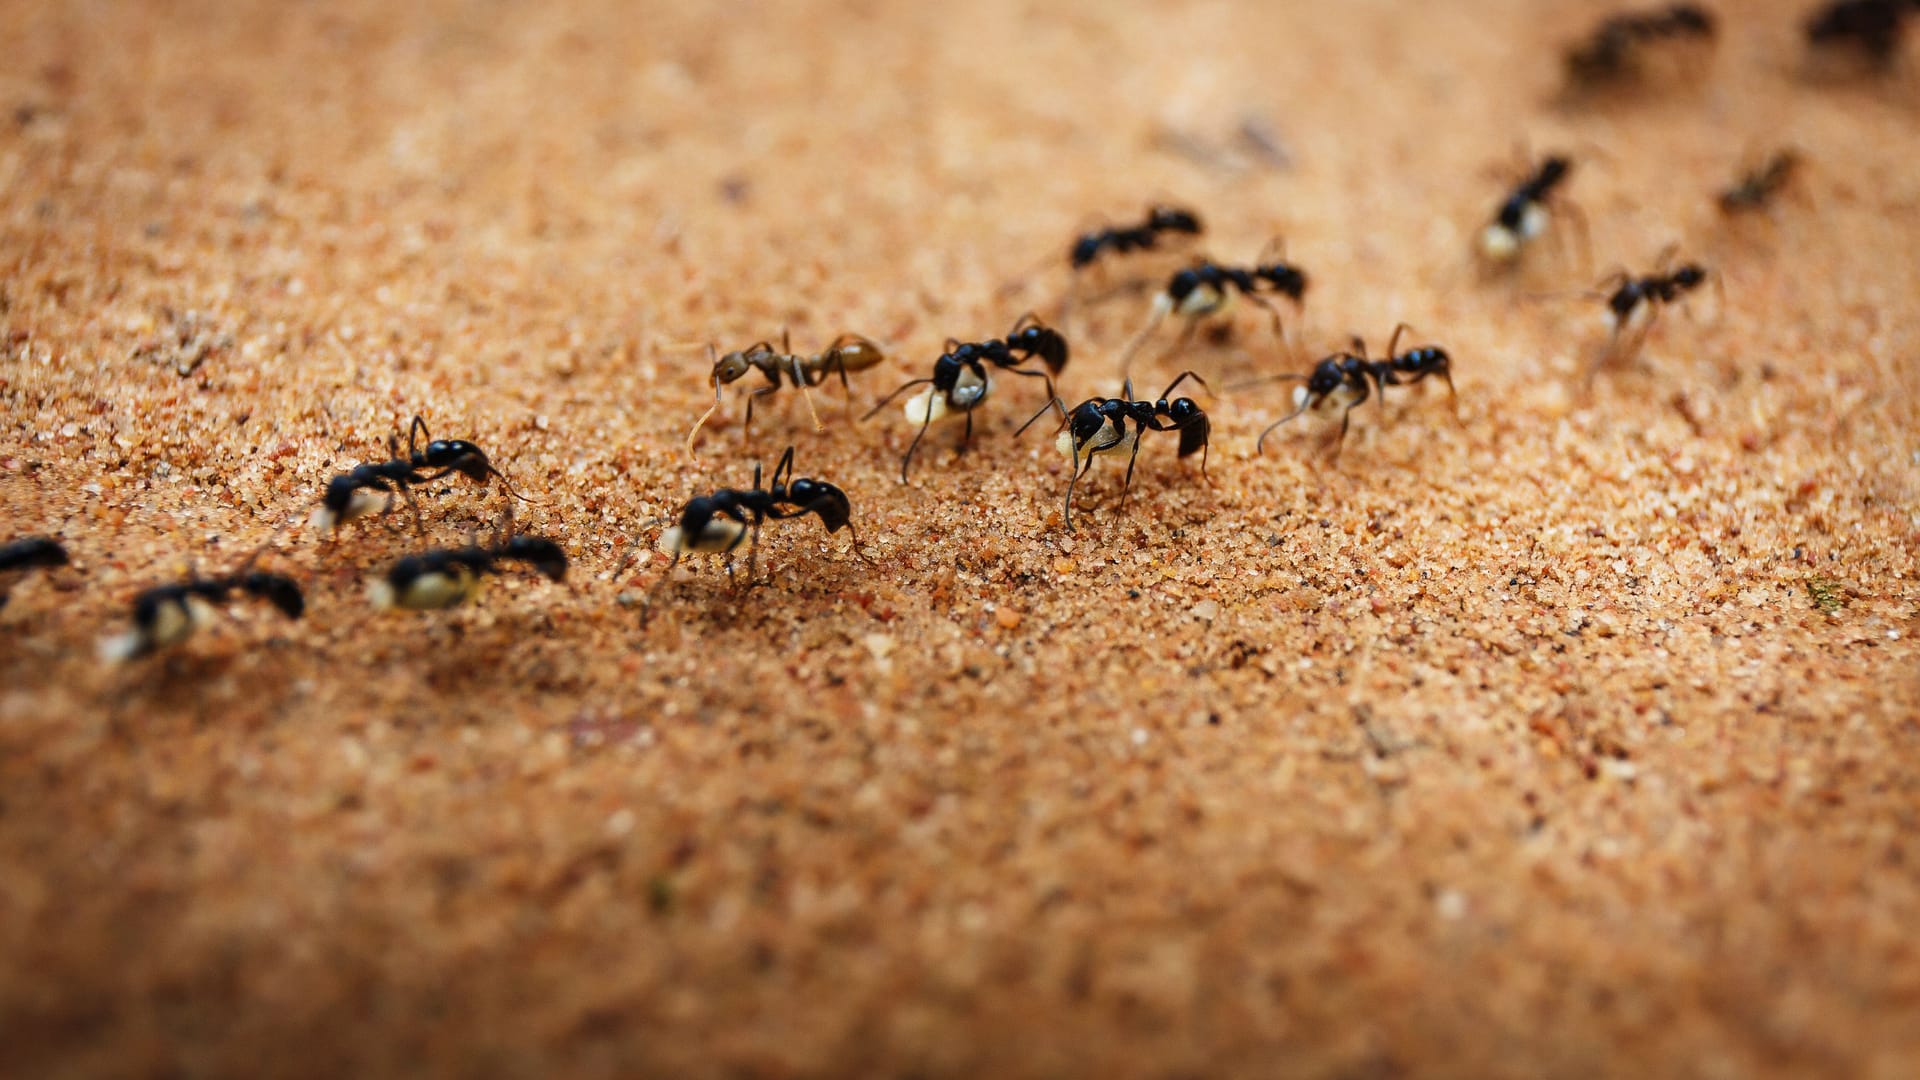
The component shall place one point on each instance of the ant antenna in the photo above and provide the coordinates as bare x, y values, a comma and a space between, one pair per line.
713, 355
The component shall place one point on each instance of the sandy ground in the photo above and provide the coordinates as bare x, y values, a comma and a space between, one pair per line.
1576, 737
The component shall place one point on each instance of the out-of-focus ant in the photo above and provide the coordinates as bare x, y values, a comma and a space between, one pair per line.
1527, 211
1111, 425
1758, 187
1206, 289
27, 553
352, 495
1868, 29
1345, 380
1120, 240
449, 577
1633, 303
960, 382
848, 352
717, 524
1614, 53
166, 615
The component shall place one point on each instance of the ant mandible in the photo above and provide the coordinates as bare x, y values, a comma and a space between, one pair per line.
1628, 297
24, 554
1345, 381
1100, 426
848, 352
166, 615
716, 524
1206, 289
449, 577
1527, 211
959, 382
350, 495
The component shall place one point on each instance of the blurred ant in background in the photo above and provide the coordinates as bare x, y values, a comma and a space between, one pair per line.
449, 577
848, 352
1100, 426
166, 615
1206, 290
24, 554
959, 382
1758, 187
1616, 52
1634, 303
1526, 213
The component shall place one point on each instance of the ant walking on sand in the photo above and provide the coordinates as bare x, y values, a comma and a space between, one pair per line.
959, 382
166, 615
1206, 289
1869, 29
1633, 303
1100, 426
449, 577
1758, 187
716, 524
24, 554
1614, 53
1527, 211
1162, 220
1341, 381
351, 495
848, 352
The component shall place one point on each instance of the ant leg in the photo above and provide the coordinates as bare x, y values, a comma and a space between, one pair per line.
1260, 444
907, 460
966, 437
1052, 404
1273, 312
418, 427
806, 391
753, 555
841, 366
700, 423
646, 604
882, 403
1341, 439
1175, 384
1126, 486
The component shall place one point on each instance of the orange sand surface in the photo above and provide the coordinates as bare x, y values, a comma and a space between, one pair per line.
1576, 737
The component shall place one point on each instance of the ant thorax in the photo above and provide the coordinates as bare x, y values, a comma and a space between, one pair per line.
969, 390
721, 534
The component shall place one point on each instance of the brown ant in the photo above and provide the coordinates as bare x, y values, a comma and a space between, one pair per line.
1613, 53
1100, 426
848, 352
1206, 289
959, 382
1757, 188
351, 495
716, 524
166, 615
1527, 211
1345, 380
27, 553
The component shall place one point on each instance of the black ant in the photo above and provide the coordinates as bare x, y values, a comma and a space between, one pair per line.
1099, 426
1611, 54
350, 495
848, 352
1758, 187
716, 524
1345, 381
166, 615
1870, 28
1627, 297
1527, 211
24, 554
1206, 289
1120, 240
959, 382
449, 577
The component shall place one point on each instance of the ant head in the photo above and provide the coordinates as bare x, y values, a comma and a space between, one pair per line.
462, 456
820, 497
1042, 341
1086, 421
276, 589
538, 552
1182, 284
1690, 275
1290, 280
1184, 409
1085, 250
1553, 169
1327, 376
1164, 218
730, 367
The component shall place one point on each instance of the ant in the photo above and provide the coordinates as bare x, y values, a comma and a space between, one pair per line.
1610, 55
166, 615
449, 577
1205, 289
1141, 237
959, 382
1099, 426
350, 495
24, 554
1758, 187
1870, 28
1342, 381
716, 524
1627, 297
848, 352
1527, 211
